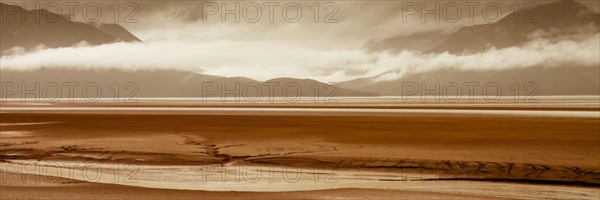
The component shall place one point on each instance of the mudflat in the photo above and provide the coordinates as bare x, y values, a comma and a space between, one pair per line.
384, 148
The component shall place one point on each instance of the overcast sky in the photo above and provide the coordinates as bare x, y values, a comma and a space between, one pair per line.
176, 36
358, 21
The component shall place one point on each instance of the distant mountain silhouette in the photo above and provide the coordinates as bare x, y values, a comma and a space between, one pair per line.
173, 83
568, 80
118, 32
555, 21
422, 41
564, 17
30, 28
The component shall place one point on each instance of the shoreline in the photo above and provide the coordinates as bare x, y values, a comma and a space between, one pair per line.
371, 155
68, 189
36, 186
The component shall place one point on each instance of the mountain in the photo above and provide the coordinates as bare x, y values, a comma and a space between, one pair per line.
118, 32
309, 87
422, 41
168, 83
567, 80
555, 21
565, 17
30, 28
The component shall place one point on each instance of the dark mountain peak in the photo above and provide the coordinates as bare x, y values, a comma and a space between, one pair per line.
561, 7
566, 17
559, 12
421, 41
118, 31
30, 28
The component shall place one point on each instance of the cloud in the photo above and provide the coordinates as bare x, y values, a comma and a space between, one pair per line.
539, 52
264, 60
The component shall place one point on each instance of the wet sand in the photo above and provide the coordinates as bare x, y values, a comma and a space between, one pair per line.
40, 187
558, 144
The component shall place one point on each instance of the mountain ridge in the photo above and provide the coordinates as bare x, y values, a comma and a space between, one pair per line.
562, 17
42, 27
176, 83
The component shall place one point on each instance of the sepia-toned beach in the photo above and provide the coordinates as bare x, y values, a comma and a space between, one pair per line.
225, 99
357, 148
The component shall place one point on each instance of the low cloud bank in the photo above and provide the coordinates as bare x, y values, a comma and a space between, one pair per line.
265, 60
